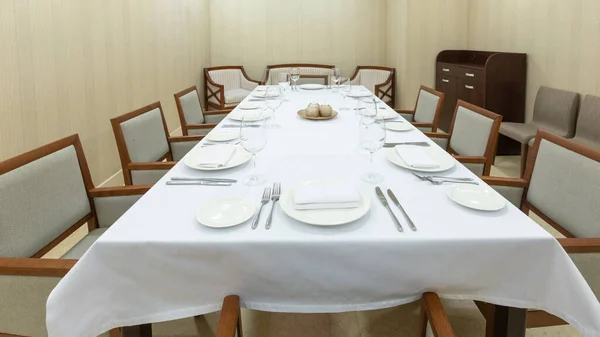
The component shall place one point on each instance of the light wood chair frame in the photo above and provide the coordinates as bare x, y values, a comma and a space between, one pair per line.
490, 152
299, 65
219, 93
230, 320
126, 164
379, 92
185, 127
432, 311
436, 117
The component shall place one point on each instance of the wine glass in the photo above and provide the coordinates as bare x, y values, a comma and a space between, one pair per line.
273, 100
295, 76
371, 138
335, 77
253, 137
345, 91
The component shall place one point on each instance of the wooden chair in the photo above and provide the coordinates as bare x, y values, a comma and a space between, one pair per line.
473, 137
230, 320
312, 73
554, 110
427, 110
45, 195
433, 321
194, 120
227, 86
561, 185
381, 81
143, 142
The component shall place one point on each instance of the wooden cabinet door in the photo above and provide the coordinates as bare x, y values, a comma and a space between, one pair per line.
447, 85
471, 91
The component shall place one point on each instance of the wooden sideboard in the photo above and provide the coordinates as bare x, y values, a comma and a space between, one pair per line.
492, 80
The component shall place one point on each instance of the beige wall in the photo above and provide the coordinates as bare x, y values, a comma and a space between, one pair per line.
255, 33
68, 66
562, 39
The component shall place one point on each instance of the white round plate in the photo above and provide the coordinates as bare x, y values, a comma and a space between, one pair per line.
240, 156
398, 126
222, 136
443, 159
360, 94
476, 197
225, 212
386, 114
263, 94
323, 217
239, 115
261, 88
249, 106
309, 86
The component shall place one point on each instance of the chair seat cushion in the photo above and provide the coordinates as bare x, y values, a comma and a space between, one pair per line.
518, 131
235, 96
82, 246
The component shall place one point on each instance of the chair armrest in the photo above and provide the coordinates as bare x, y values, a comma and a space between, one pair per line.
200, 126
118, 191
422, 124
35, 267
230, 320
434, 310
161, 165
213, 83
216, 112
180, 146
471, 159
510, 182
580, 245
179, 139
437, 135
408, 112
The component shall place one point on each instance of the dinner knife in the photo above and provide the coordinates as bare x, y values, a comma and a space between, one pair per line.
387, 206
397, 203
239, 125
197, 182
424, 144
220, 180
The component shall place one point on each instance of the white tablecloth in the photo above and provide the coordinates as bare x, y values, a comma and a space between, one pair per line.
157, 263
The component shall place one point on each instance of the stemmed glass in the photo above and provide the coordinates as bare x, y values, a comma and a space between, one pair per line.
371, 138
253, 136
345, 91
335, 77
295, 76
273, 100
284, 83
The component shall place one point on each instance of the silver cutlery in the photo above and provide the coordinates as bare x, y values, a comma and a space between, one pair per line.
198, 182
397, 203
439, 181
424, 144
223, 143
387, 206
275, 198
217, 180
239, 125
263, 201
423, 177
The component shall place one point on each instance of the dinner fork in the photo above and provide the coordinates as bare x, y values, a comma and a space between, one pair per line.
441, 181
265, 200
423, 144
275, 198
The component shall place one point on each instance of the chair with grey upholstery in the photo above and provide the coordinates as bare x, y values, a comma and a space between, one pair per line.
144, 144
194, 120
427, 110
561, 185
309, 73
45, 195
472, 138
554, 110
227, 86
381, 81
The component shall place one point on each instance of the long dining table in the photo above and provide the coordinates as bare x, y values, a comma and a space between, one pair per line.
158, 263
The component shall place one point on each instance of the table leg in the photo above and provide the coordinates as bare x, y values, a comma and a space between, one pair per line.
144, 330
508, 322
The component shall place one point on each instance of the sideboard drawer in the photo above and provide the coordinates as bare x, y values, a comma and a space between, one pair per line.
446, 69
474, 74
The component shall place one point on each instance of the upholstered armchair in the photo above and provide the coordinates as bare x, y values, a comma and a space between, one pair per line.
309, 73
560, 185
46, 194
227, 86
554, 110
194, 120
144, 144
381, 81
427, 110
472, 138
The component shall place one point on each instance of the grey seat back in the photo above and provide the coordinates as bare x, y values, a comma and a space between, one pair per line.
191, 108
565, 186
556, 110
471, 132
588, 121
39, 201
145, 137
427, 105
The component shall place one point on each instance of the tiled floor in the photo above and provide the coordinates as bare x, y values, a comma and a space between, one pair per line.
400, 321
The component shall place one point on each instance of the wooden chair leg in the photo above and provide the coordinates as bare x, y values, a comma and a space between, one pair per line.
115, 332
423, 323
524, 153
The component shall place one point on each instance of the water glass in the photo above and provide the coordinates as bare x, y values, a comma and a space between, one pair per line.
253, 137
295, 76
335, 77
273, 100
371, 135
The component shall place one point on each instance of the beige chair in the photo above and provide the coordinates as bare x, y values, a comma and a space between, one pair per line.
472, 138
194, 120
554, 110
561, 185
227, 86
144, 144
433, 321
309, 73
381, 81
46, 194
427, 110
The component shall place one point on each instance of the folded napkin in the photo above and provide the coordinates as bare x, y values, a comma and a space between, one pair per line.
216, 156
415, 157
326, 197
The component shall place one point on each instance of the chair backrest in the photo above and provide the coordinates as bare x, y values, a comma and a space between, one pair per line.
230, 76
474, 132
372, 76
564, 185
141, 137
429, 106
556, 110
189, 108
588, 121
313, 73
43, 197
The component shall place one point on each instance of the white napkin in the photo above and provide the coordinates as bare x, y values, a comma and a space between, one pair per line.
326, 197
415, 157
216, 156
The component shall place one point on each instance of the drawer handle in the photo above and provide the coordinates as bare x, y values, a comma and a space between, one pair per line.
445, 80
446, 70
470, 87
469, 74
